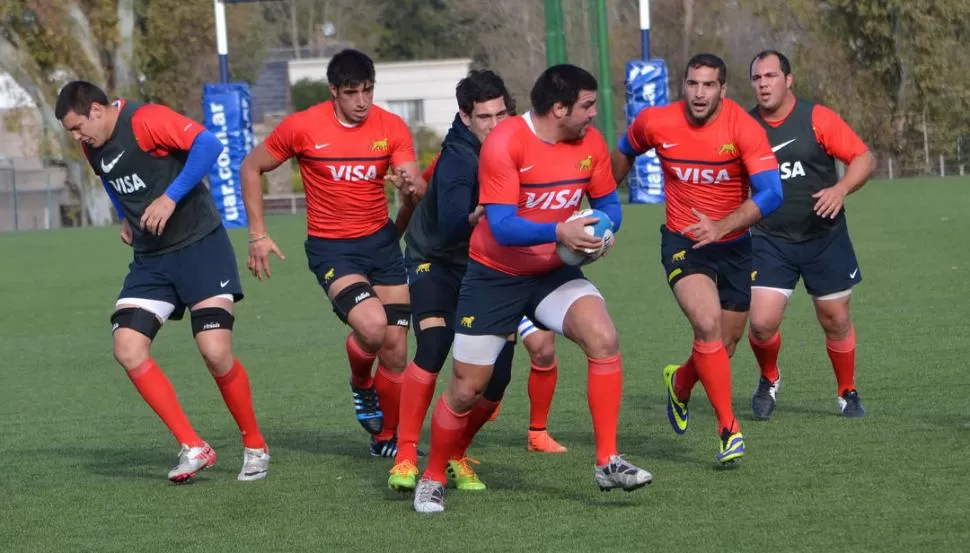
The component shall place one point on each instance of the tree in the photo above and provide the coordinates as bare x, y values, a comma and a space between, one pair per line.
308, 92
130, 48
420, 29
43, 44
886, 65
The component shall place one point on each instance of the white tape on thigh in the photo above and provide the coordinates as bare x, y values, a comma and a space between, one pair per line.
477, 350
834, 295
161, 309
551, 311
783, 291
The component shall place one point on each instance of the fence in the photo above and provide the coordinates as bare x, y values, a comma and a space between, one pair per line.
891, 168
32, 199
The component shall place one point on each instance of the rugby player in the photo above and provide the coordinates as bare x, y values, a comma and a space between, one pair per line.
807, 237
534, 171
344, 148
711, 152
152, 162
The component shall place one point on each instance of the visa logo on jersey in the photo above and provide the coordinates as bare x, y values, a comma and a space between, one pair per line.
553, 200
128, 184
352, 173
702, 176
791, 169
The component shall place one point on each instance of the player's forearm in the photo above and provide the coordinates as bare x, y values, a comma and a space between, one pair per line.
115, 200
511, 230
741, 218
622, 164
857, 173
610, 205
403, 217
205, 150
252, 192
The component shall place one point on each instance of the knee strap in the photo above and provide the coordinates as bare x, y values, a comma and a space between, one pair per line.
211, 318
350, 297
398, 314
137, 319
433, 345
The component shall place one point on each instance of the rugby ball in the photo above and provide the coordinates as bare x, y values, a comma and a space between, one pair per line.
601, 229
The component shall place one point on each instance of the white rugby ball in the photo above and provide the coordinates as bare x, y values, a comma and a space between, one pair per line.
601, 229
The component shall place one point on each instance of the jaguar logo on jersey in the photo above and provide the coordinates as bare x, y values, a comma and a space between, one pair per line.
728, 149
128, 184
352, 173
586, 164
423, 268
679, 256
328, 276
379, 145
702, 176
467, 321
754, 275
554, 200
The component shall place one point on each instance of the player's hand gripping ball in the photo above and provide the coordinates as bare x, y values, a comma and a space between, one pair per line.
601, 229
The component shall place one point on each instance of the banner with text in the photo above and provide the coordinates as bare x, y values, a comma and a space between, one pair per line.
227, 110
646, 86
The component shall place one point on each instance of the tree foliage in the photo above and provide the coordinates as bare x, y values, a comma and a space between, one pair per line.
161, 50
890, 66
308, 92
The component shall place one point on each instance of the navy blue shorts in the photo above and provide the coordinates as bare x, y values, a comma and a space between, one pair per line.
728, 264
826, 264
376, 257
434, 287
204, 269
491, 302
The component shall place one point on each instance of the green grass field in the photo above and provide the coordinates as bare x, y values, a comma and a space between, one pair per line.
84, 459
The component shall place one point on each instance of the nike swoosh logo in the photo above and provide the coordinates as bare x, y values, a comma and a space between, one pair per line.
853, 273
668, 146
255, 473
320, 146
223, 283
187, 127
782, 145
524, 169
107, 168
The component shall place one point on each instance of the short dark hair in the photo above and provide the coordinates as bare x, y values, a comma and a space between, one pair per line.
350, 67
78, 96
782, 61
560, 84
708, 60
481, 86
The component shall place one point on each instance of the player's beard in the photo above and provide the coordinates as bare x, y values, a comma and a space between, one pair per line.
706, 116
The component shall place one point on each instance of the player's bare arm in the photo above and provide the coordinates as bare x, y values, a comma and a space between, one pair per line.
475, 217
622, 164
708, 231
408, 180
126, 234
830, 200
258, 161
767, 197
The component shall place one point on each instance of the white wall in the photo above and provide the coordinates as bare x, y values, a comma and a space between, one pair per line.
432, 81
